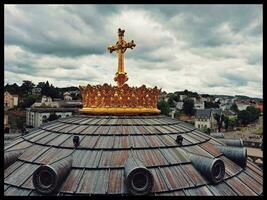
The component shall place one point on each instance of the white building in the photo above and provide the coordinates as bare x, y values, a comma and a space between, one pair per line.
37, 116
67, 96
182, 97
179, 105
205, 119
242, 106
199, 105
46, 102
10, 101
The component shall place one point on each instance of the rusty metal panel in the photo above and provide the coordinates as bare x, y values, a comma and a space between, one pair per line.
105, 142
251, 183
254, 168
102, 130
48, 138
199, 191
89, 130
12, 168
81, 157
28, 184
34, 134
253, 174
162, 129
101, 185
61, 127
159, 183
59, 140
150, 157
189, 138
118, 158
88, 181
195, 149
33, 152
52, 126
94, 159
21, 174
115, 182
138, 141
20, 145
172, 179
39, 136
216, 142
72, 181
105, 159
230, 167
51, 155
88, 141
78, 129
193, 174
221, 189
154, 141
151, 129
68, 128
239, 187
195, 136
14, 191
211, 149
86, 121
141, 130
168, 140
201, 134
122, 142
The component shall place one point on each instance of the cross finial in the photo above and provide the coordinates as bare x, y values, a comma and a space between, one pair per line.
121, 46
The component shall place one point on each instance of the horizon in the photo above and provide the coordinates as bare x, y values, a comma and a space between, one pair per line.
210, 49
162, 90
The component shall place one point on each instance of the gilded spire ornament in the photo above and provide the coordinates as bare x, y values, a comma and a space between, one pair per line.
120, 47
120, 99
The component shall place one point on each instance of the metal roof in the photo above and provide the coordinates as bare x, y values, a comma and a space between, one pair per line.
105, 145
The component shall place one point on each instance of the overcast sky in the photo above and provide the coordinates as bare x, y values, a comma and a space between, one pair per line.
214, 49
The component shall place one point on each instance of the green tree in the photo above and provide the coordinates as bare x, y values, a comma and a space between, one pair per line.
243, 117
254, 113
28, 101
208, 105
172, 98
164, 107
232, 122
234, 108
188, 107
26, 87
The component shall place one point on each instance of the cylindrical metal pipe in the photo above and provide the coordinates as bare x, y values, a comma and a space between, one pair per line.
236, 154
139, 180
212, 169
11, 157
47, 178
217, 135
233, 142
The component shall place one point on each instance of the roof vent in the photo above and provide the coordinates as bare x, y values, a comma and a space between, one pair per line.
212, 169
76, 141
232, 142
47, 178
179, 139
236, 154
139, 180
217, 135
11, 157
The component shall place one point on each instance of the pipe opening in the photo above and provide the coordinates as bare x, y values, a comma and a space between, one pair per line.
140, 181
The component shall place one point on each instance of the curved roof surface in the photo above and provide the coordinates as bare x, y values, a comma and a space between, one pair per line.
105, 144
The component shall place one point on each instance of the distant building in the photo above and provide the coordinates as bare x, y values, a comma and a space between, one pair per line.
74, 92
229, 113
204, 118
37, 116
242, 105
10, 101
36, 91
199, 105
179, 105
46, 102
182, 97
226, 106
67, 96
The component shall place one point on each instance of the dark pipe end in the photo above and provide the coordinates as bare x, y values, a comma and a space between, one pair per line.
140, 181
45, 179
179, 139
217, 171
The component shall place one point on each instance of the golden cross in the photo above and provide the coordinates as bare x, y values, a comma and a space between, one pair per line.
120, 47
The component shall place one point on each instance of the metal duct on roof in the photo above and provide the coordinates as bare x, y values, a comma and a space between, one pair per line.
47, 178
236, 154
139, 180
212, 169
232, 142
11, 157
217, 135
